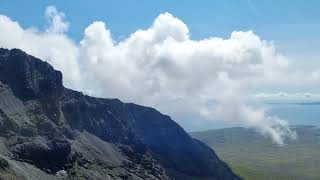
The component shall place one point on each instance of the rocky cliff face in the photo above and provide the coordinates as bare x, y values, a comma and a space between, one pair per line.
51, 132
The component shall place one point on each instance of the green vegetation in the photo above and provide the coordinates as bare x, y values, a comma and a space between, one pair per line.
255, 157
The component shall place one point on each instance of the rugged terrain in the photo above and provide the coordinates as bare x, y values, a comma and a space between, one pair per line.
253, 156
50, 132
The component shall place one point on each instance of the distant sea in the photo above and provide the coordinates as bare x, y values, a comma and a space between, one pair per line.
305, 114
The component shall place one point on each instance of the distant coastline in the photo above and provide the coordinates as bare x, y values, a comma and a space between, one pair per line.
294, 103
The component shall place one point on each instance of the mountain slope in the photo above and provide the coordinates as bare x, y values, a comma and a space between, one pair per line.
51, 132
255, 157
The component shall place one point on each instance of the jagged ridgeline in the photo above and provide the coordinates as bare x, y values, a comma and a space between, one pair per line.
50, 132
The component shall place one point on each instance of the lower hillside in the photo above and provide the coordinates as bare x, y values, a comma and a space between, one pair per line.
254, 157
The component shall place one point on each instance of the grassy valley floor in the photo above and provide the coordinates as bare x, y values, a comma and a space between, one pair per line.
254, 157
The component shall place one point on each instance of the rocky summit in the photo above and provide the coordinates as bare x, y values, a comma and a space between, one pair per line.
50, 132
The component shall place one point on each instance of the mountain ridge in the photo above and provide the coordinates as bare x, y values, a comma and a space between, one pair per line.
51, 131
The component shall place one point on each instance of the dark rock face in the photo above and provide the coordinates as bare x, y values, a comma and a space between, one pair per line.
29, 77
50, 155
67, 135
173, 147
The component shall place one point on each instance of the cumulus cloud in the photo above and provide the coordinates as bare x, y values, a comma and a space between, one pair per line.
161, 66
56, 20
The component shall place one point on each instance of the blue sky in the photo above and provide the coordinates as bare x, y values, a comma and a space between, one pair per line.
292, 24
160, 59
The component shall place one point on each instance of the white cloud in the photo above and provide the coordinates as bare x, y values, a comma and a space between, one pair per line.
162, 67
232, 109
55, 19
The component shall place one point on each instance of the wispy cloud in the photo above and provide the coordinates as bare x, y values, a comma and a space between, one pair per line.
57, 24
